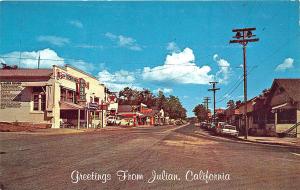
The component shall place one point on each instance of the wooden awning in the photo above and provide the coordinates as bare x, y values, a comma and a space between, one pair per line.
280, 106
70, 106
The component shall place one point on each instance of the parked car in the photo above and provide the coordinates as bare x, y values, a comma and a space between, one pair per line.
212, 127
203, 124
229, 130
219, 127
113, 120
126, 122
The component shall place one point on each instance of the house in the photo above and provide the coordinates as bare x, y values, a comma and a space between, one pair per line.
56, 96
220, 115
273, 112
233, 116
258, 116
284, 101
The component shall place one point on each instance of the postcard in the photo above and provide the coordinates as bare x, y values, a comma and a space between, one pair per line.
149, 95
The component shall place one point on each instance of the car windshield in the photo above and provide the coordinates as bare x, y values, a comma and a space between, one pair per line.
229, 127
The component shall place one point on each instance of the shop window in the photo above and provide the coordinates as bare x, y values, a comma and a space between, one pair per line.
96, 100
71, 96
63, 94
287, 116
36, 102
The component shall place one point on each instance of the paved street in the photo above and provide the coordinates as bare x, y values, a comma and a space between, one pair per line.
31, 161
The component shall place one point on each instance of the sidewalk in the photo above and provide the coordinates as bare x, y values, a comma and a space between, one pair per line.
273, 140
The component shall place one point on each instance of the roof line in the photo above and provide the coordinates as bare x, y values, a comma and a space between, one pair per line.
81, 71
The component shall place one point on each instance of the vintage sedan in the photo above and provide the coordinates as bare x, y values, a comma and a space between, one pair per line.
229, 130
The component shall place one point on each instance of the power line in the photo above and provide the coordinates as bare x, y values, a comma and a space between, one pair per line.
237, 81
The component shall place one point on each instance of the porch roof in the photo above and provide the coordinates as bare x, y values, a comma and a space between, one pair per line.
283, 106
70, 106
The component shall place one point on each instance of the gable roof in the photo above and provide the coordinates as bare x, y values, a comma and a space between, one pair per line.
291, 87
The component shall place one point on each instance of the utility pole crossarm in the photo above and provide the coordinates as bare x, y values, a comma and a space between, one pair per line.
242, 41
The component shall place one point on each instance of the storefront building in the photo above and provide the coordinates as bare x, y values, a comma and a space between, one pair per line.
60, 96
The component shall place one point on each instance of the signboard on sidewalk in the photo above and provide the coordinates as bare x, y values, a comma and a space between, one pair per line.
93, 106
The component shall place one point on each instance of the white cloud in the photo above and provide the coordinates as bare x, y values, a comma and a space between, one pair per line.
164, 90
172, 47
222, 75
48, 58
118, 80
54, 40
180, 68
287, 64
76, 23
123, 41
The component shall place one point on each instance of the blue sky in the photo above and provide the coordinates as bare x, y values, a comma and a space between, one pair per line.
177, 47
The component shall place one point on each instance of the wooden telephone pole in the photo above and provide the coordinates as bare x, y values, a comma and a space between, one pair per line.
206, 101
244, 36
214, 89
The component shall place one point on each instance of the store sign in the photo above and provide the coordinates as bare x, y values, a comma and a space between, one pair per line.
80, 89
63, 75
103, 107
93, 106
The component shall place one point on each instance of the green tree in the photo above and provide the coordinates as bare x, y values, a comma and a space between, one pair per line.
201, 112
174, 108
171, 105
161, 100
230, 104
238, 103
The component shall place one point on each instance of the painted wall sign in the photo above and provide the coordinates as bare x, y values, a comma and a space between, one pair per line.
10, 95
63, 75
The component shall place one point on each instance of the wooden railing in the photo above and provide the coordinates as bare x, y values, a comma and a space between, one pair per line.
291, 132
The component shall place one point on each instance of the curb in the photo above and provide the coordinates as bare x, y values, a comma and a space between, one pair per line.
251, 141
270, 143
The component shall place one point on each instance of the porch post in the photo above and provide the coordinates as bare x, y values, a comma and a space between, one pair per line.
275, 117
94, 118
276, 120
78, 120
87, 119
